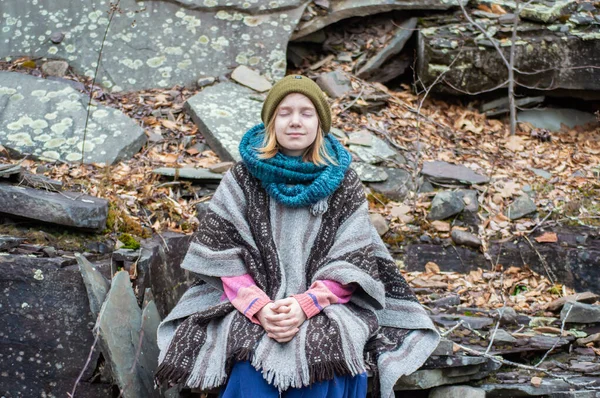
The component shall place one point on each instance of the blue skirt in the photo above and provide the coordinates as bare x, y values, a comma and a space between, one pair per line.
247, 382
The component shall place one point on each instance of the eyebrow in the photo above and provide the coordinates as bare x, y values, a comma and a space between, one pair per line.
304, 108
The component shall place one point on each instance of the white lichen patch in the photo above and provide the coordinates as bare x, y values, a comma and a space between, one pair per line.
73, 156
7, 91
20, 139
132, 64
184, 64
210, 3
173, 50
155, 62
252, 21
203, 39
51, 116
54, 143
16, 97
38, 275
100, 113
50, 155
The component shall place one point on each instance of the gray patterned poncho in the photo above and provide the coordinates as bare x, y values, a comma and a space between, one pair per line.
382, 329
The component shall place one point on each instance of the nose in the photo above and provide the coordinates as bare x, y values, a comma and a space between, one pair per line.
295, 119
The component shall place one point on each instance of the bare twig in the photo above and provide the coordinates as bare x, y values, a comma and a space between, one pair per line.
562, 329
87, 362
112, 10
549, 273
503, 361
362, 89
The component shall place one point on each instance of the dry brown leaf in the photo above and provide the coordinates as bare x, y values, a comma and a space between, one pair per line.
496, 9
432, 268
547, 237
514, 143
536, 381
441, 226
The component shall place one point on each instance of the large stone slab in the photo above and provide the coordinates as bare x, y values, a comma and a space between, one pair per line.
395, 45
154, 43
64, 208
167, 279
95, 283
560, 50
444, 172
119, 327
553, 119
46, 119
223, 114
46, 331
342, 9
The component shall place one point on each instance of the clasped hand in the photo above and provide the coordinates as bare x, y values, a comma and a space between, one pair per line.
282, 319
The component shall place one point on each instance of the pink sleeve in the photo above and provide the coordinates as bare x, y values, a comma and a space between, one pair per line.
323, 293
245, 296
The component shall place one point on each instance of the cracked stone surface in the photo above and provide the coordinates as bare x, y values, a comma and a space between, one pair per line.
223, 114
46, 330
47, 118
153, 43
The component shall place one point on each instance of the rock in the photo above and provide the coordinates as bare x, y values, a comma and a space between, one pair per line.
57, 37
343, 9
170, 43
441, 226
122, 255
167, 280
594, 338
223, 113
428, 378
52, 127
397, 185
447, 173
189, 173
95, 283
500, 105
149, 351
65, 208
221, 167
119, 327
457, 392
201, 209
502, 336
336, 84
369, 173
521, 207
445, 347
393, 47
473, 321
376, 152
250, 78
508, 316
9, 242
438, 46
426, 187
205, 81
379, 223
548, 387
49, 251
55, 68
469, 196
465, 238
580, 313
540, 172
585, 297
552, 119
46, 330
452, 300
445, 204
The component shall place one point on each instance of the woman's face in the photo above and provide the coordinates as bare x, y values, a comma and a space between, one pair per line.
296, 124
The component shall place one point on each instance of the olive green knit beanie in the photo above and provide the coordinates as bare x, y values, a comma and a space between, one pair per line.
297, 84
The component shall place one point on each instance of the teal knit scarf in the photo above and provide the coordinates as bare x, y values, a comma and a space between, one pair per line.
288, 179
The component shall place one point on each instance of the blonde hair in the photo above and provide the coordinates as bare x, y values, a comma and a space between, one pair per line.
316, 153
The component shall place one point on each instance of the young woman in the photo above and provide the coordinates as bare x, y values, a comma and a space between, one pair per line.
298, 294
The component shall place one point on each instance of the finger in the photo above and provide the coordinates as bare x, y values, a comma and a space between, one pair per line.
278, 317
286, 334
286, 322
283, 309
